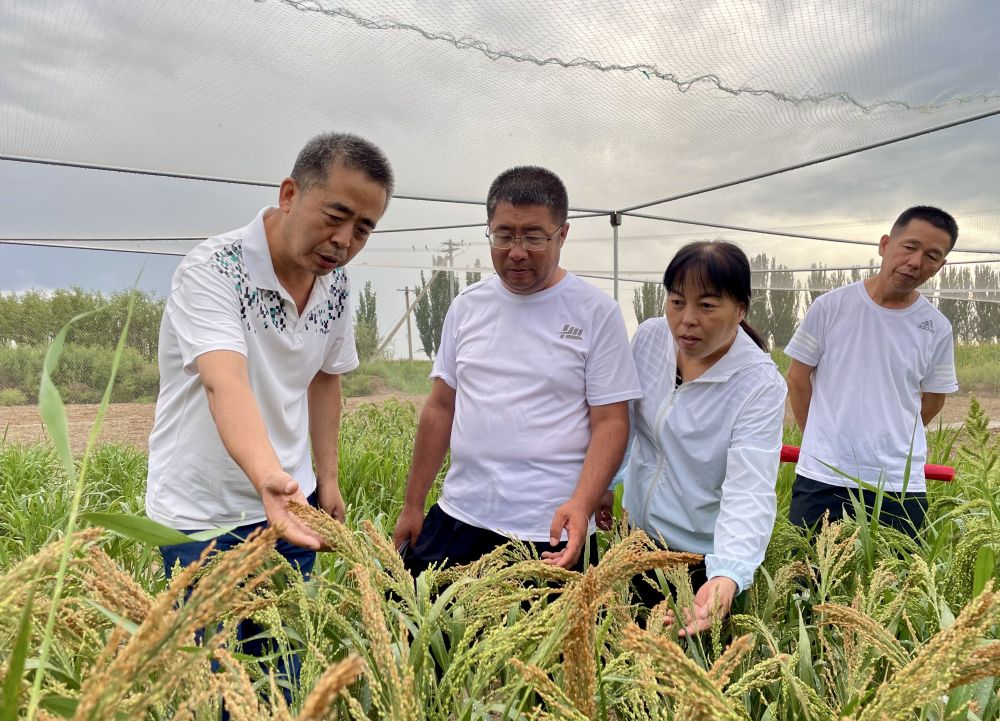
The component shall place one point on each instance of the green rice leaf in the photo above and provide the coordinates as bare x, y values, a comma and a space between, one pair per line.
61, 706
11, 688
50, 404
128, 625
146, 530
986, 561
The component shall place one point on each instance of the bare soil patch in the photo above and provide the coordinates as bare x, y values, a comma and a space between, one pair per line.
124, 422
132, 422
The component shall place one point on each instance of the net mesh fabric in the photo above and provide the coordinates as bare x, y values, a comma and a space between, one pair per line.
631, 102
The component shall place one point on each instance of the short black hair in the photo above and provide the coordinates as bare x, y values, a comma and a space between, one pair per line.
714, 267
529, 185
348, 151
929, 214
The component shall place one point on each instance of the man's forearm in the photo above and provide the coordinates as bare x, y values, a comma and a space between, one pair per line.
608, 439
242, 430
930, 405
324, 424
429, 449
799, 397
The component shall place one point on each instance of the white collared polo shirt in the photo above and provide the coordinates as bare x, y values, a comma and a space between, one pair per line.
226, 296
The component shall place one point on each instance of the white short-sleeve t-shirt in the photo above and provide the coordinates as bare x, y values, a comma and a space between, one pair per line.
872, 364
526, 369
225, 296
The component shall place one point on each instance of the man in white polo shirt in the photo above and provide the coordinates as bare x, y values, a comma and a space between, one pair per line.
255, 334
531, 385
871, 364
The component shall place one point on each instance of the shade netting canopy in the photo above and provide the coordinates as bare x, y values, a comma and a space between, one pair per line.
632, 103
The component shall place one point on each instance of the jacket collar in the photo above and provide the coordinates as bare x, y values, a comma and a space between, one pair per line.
743, 354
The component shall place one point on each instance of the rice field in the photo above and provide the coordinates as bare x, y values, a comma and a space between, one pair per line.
854, 621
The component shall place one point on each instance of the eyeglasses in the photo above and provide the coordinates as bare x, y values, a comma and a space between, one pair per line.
534, 241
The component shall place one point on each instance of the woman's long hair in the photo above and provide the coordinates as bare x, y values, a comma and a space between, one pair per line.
715, 267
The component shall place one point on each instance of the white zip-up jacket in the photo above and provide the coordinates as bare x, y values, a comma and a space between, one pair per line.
703, 458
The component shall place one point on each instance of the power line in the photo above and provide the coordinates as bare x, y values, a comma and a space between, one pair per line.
779, 233
815, 161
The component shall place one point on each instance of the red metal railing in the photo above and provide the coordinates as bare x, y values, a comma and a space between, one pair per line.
932, 472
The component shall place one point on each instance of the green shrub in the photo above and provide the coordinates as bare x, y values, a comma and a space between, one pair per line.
82, 373
13, 397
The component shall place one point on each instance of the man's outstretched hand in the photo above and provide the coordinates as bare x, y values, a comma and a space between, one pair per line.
713, 600
277, 491
574, 518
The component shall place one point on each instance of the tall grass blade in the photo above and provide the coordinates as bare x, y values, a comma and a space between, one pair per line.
54, 416
15, 668
986, 560
146, 530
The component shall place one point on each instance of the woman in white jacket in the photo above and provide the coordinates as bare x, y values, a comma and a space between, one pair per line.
706, 435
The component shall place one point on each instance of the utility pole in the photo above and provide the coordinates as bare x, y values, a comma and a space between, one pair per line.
409, 332
450, 247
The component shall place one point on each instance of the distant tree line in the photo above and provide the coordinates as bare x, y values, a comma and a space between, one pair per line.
780, 301
29, 321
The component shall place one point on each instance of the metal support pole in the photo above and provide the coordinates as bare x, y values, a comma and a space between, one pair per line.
409, 330
406, 316
616, 221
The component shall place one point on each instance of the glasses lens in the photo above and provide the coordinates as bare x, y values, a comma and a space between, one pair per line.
501, 240
535, 242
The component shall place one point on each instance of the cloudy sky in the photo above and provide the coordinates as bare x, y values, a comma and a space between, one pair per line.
628, 102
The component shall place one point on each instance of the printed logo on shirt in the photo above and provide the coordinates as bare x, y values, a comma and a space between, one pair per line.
927, 325
571, 332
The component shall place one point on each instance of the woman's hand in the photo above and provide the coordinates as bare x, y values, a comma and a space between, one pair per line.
713, 600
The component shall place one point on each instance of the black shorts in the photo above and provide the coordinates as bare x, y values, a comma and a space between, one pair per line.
449, 540
811, 499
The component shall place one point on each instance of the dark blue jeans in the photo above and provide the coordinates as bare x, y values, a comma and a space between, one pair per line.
247, 631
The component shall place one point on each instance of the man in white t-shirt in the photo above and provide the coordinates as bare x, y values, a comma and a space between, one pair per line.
871, 364
255, 334
531, 390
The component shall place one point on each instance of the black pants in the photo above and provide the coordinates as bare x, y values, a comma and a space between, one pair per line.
811, 499
448, 539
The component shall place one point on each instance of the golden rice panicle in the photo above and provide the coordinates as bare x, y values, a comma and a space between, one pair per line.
236, 690
333, 681
939, 663
681, 679
726, 664
636, 554
806, 697
279, 707
391, 562
558, 704
981, 663
579, 663
170, 625
341, 539
492, 563
848, 619
112, 588
394, 694
226, 580
15, 582
761, 674
834, 553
